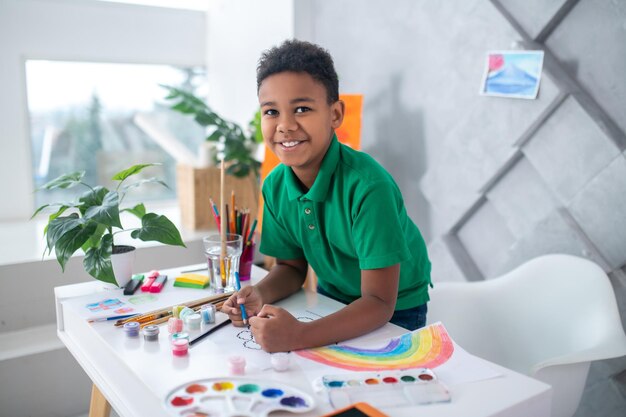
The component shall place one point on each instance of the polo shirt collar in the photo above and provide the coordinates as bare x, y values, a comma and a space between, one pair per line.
322, 183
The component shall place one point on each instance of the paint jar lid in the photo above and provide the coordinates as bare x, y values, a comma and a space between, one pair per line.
186, 311
151, 330
193, 319
179, 336
176, 311
207, 307
132, 327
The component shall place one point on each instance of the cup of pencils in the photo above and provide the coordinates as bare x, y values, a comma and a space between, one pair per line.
223, 255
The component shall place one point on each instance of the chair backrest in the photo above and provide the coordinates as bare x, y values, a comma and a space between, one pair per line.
553, 310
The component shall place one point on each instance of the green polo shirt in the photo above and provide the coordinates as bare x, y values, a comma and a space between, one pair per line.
352, 218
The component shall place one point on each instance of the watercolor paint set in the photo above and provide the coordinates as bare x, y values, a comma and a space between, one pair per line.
386, 389
236, 397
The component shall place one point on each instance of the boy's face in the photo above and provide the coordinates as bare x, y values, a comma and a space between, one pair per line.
296, 120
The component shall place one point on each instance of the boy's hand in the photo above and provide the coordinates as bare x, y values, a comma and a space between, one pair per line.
275, 329
248, 296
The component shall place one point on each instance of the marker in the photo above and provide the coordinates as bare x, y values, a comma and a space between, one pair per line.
241, 306
158, 283
147, 284
133, 284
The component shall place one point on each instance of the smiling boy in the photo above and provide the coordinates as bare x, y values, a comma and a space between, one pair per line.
331, 207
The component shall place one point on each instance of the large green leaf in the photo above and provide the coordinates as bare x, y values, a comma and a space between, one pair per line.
206, 118
142, 182
190, 101
59, 227
71, 241
106, 213
215, 136
122, 175
97, 260
64, 181
94, 239
53, 216
158, 228
38, 210
91, 198
139, 210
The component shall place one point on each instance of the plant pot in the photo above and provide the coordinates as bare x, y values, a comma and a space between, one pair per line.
122, 261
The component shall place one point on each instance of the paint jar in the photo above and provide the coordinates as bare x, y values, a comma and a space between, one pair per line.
186, 311
176, 311
151, 333
245, 263
237, 365
131, 329
180, 335
222, 268
193, 322
174, 325
280, 361
207, 312
180, 347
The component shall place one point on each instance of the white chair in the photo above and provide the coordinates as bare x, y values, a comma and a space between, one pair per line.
548, 318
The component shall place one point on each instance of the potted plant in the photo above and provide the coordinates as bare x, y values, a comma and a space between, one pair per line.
238, 146
94, 220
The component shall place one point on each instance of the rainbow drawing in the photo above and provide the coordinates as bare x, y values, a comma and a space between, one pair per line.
428, 347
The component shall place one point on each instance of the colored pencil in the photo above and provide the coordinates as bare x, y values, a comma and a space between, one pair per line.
214, 207
251, 235
241, 306
215, 213
208, 332
233, 219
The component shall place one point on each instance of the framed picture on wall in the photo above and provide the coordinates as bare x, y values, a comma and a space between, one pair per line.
515, 74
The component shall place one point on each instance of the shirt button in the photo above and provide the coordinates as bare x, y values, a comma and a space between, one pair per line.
311, 227
307, 210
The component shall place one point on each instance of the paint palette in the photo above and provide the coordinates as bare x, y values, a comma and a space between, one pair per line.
230, 397
386, 389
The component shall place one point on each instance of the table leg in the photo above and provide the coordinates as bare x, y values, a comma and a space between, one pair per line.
99, 406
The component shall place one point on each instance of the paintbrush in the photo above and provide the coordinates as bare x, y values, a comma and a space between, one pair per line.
208, 332
163, 312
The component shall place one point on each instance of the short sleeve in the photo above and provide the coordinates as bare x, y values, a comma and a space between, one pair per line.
377, 232
275, 240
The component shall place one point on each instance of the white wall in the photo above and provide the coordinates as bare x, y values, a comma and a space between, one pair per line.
238, 31
78, 30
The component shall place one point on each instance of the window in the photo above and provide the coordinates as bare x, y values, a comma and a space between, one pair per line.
82, 119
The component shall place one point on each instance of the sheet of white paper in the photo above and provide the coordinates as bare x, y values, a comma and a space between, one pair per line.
240, 341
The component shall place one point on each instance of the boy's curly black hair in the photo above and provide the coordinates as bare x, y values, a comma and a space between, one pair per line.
300, 56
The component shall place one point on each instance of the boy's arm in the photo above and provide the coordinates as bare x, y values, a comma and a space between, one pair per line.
284, 279
379, 288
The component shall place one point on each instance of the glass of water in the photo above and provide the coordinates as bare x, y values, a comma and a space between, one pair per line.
222, 268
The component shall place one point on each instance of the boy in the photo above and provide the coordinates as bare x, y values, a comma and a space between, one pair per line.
329, 206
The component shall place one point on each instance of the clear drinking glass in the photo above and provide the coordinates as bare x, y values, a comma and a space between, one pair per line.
222, 268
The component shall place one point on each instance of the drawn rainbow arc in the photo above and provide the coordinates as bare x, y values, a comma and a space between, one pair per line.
428, 347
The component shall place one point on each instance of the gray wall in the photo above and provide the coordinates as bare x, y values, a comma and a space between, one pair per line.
493, 182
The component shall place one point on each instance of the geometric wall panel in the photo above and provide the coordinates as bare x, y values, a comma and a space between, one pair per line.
569, 149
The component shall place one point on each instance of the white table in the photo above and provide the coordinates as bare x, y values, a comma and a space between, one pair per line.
135, 376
